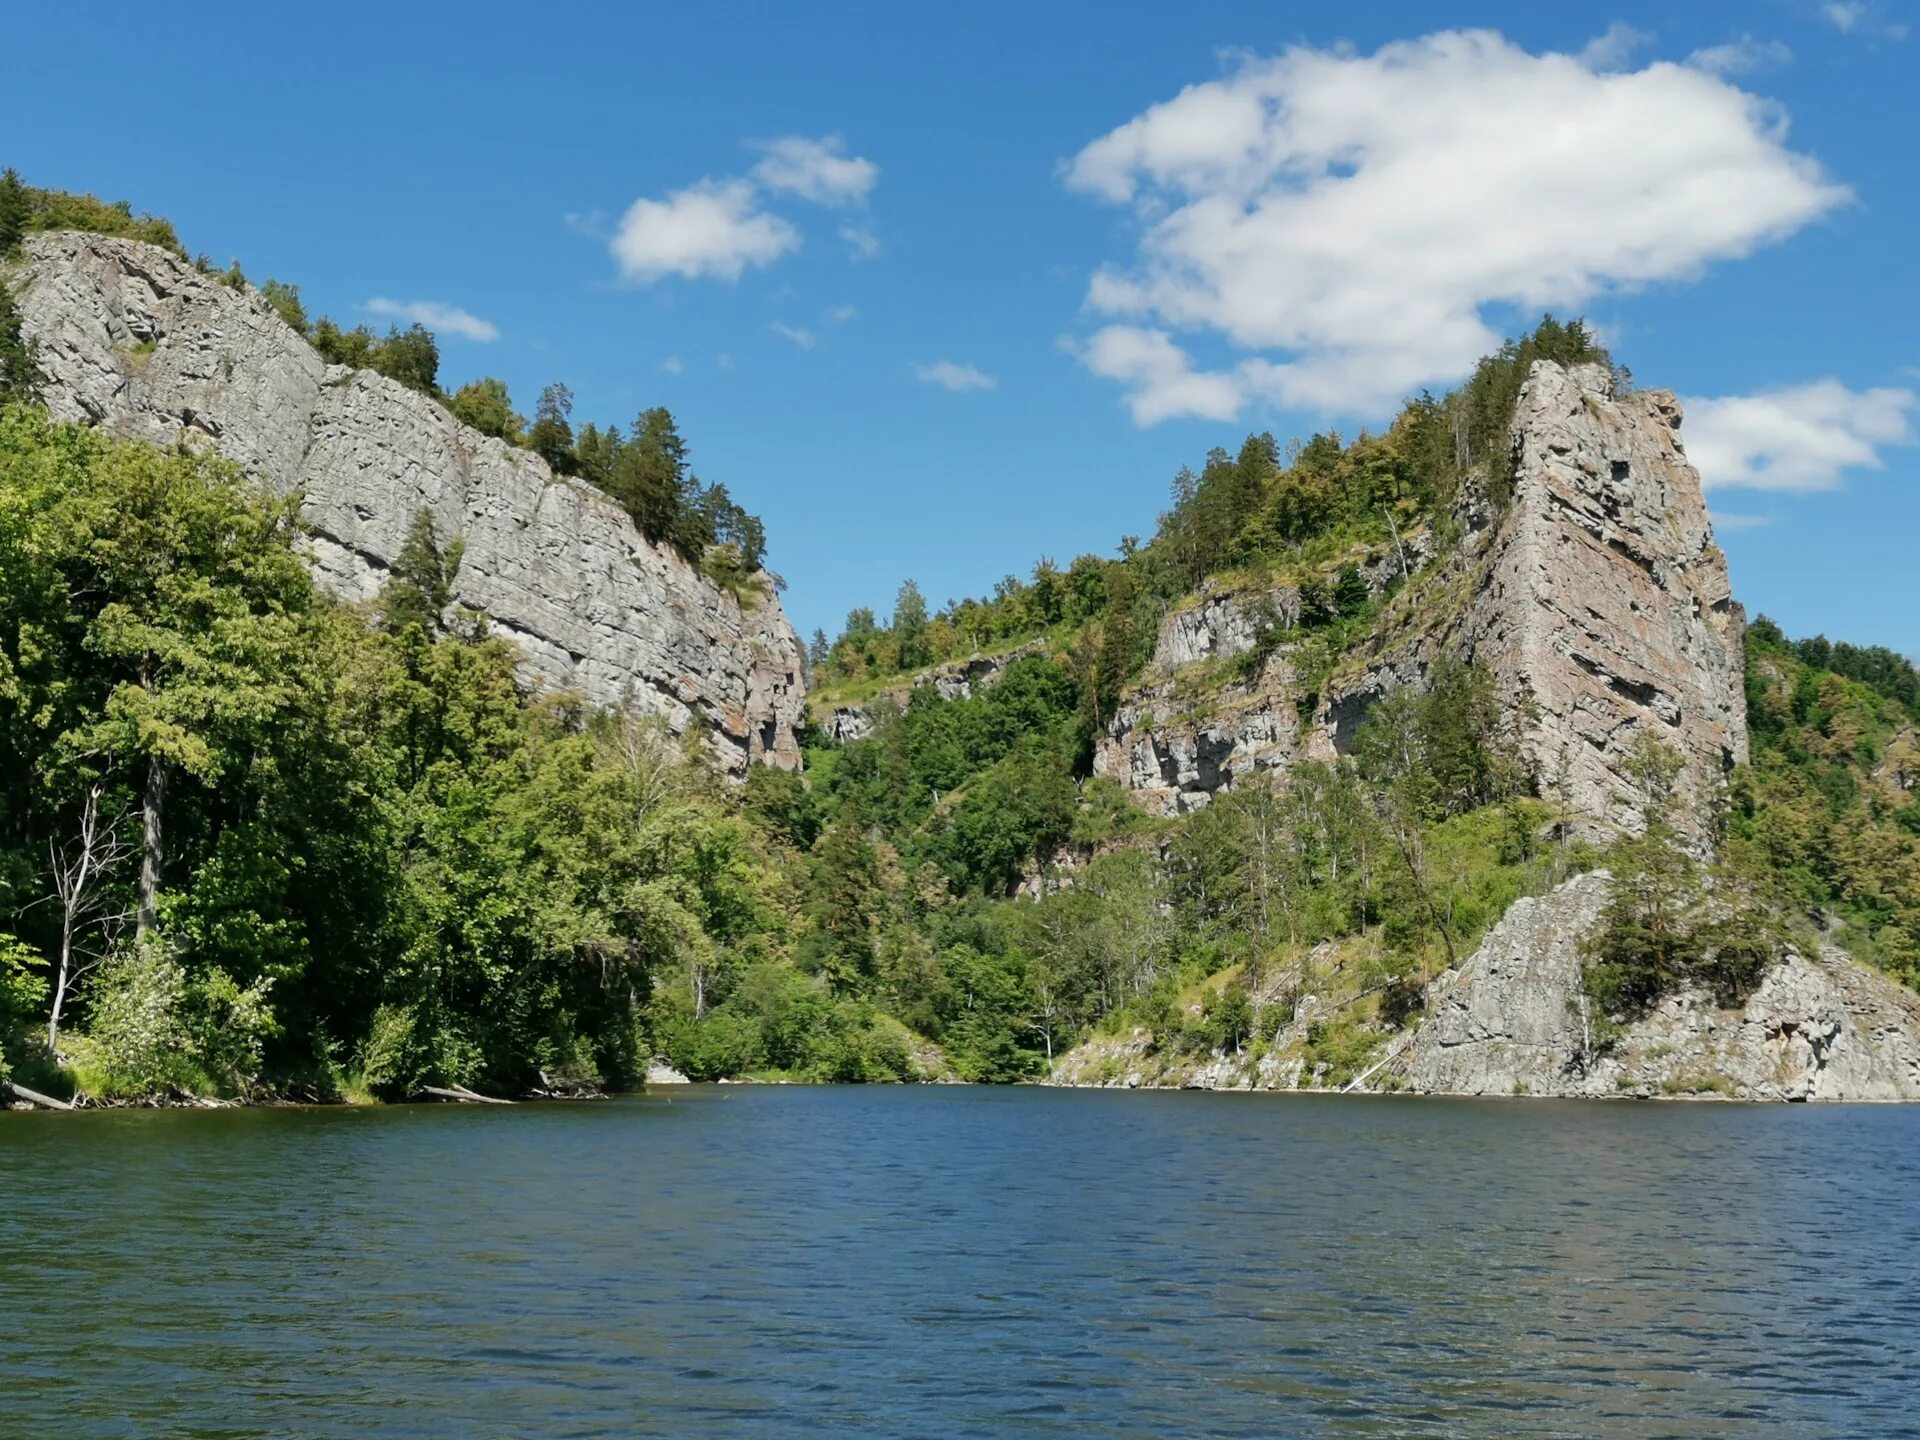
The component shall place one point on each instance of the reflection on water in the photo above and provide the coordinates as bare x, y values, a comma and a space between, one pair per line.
949, 1262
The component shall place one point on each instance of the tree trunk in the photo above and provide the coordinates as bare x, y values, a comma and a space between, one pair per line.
60, 994
152, 846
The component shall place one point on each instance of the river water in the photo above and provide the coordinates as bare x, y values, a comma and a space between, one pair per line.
772, 1261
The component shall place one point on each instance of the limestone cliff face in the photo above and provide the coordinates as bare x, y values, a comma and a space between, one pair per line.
1606, 601
136, 341
1511, 1020
1597, 598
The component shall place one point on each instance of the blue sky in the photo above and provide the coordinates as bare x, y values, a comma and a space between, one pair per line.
939, 290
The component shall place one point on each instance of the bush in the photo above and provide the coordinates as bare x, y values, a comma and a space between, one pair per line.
142, 1039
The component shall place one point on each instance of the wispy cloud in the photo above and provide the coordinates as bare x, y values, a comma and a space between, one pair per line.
1801, 438
440, 318
1615, 48
1741, 56
672, 365
951, 375
720, 228
841, 314
819, 170
1857, 17
805, 339
862, 243
1735, 520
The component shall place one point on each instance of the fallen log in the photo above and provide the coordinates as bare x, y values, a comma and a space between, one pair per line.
462, 1094
34, 1097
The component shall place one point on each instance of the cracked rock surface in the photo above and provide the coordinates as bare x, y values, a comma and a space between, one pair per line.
1598, 599
136, 341
1510, 1021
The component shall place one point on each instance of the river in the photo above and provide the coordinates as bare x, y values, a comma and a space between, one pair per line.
773, 1261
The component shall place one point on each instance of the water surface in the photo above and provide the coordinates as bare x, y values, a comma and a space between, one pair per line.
762, 1261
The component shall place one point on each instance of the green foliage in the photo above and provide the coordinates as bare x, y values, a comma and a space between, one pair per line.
19, 362
485, 405
285, 300
139, 1026
23, 989
1300, 515
1672, 918
25, 208
1826, 806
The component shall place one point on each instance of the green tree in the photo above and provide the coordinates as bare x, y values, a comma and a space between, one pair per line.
1647, 940
910, 626
551, 435
485, 405
648, 476
411, 356
285, 300
15, 211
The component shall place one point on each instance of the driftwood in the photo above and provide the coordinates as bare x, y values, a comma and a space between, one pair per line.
34, 1097
462, 1094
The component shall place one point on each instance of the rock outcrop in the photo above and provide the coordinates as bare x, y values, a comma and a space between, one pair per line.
1512, 1021
1597, 598
1606, 601
135, 340
955, 680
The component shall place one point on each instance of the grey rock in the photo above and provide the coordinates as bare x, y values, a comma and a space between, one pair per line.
1597, 598
135, 340
1511, 1020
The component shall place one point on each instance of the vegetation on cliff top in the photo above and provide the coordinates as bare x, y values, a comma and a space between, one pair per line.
644, 468
1298, 515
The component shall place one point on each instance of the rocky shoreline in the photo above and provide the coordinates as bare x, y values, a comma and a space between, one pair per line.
1511, 1020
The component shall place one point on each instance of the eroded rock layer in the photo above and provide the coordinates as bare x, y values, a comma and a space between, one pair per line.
135, 340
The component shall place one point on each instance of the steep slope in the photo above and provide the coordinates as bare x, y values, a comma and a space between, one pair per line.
133, 338
1511, 1020
1597, 599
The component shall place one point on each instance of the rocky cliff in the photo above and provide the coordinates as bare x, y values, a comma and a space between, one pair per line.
1510, 1020
1596, 596
133, 339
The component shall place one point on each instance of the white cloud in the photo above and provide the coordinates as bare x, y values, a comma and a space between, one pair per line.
1742, 56
439, 318
805, 339
1345, 220
1733, 520
819, 171
672, 365
841, 314
721, 227
713, 228
951, 375
1844, 15
862, 243
1804, 438
1159, 376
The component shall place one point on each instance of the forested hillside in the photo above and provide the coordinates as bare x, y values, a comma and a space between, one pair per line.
255, 841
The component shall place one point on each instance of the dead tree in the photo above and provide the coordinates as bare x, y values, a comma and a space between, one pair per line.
82, 872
